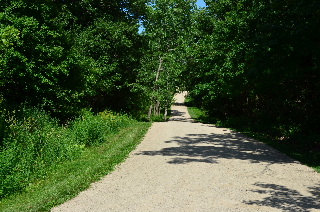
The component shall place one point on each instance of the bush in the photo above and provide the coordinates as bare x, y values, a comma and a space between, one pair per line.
90, 129
33, 142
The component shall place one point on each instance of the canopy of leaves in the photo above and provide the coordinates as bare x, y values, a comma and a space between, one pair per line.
66, 55
259, 60
168, 33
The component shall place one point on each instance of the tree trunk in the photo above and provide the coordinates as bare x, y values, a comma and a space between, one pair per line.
165, 113
156, 106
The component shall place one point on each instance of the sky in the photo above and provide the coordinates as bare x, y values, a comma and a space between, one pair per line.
201, 3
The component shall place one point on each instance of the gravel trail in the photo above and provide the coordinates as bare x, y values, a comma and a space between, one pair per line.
186, 166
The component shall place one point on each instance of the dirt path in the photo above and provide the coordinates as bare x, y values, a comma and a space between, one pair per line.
185, 166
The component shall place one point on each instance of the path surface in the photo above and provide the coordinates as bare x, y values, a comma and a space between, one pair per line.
185, 166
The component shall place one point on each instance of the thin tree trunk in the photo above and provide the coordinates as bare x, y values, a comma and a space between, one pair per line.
159, 68
165, 113
156, 107
149, 113
157, 110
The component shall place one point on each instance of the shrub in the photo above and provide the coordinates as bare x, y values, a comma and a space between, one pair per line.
33, 142
90, 129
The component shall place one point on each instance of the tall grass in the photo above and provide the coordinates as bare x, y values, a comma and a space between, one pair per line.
33, 143
65, 180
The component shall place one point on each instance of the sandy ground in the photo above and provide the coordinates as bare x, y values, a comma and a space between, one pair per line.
185, 166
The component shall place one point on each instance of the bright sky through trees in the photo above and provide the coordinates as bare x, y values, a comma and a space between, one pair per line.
201, 3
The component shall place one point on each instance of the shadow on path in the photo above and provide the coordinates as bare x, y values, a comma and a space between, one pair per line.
209, 148
178, 104
177, 115
287, 199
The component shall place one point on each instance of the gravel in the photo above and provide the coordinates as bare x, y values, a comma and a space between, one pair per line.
184, 166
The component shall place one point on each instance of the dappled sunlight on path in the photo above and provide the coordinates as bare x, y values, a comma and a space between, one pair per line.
213, 147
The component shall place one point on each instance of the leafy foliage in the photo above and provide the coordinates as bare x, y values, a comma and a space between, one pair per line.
62, 57
35, 142
259, 61
68, 55
168, 33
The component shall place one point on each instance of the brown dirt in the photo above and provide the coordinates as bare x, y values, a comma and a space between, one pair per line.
186, 166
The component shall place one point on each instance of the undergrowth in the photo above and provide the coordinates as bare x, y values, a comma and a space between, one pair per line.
65, 180
33, 142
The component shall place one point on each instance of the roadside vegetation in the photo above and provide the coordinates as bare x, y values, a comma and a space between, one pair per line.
50, 164
299, 147
255, 68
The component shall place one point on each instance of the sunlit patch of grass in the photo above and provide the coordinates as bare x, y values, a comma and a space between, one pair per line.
199, 115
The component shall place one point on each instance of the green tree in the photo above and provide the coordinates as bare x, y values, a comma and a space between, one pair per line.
66, 55
259, 60
168, 27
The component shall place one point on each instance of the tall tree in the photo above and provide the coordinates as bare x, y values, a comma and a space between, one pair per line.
168, 28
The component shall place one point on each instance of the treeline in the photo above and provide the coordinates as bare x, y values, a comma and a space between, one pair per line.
256, 64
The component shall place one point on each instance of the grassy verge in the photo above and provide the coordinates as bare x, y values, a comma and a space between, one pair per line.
296, 148
198, 115
67, 179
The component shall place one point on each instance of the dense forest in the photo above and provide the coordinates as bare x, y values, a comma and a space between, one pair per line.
252, 62
257, 63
